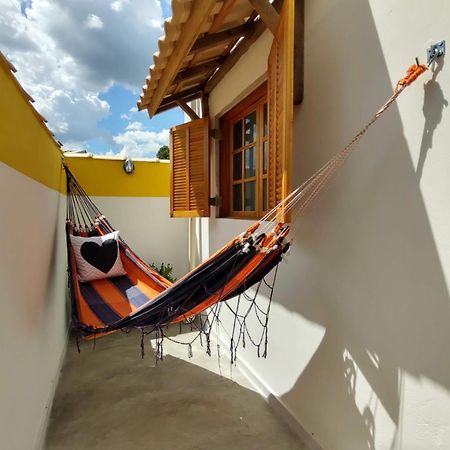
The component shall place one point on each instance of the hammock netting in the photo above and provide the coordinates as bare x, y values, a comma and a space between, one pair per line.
145, 300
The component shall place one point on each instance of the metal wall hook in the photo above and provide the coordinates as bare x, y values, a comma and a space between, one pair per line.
435, 51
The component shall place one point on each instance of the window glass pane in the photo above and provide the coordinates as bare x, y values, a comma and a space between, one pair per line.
250, 128
264, 196
237, 197
237, 166
265, 119
250, 195
237, 135
250, 162
265, 154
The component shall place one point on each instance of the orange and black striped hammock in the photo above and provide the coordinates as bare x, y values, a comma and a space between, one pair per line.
143, 298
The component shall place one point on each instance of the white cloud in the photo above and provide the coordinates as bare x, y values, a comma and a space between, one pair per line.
135, 126
139, 143
93, 22
68, 52
132, 111
118, 5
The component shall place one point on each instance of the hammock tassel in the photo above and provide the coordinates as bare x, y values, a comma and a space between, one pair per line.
208, 343
142, 344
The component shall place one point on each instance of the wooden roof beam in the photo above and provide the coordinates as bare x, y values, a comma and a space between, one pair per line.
213, 40
187, 109
200, 12
187, 95
256, 29
267, 13
194, 71
222, 14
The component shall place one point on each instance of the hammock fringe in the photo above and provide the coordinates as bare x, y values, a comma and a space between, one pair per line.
145, 300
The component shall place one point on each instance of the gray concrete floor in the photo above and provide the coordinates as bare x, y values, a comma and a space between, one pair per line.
110, 398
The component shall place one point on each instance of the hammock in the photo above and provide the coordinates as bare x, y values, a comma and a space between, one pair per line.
144, 299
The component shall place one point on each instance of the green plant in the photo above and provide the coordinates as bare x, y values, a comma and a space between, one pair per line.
163, 152
164, 270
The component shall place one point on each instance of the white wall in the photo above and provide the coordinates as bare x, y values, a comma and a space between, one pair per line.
33, 283
145, 224
33, 305
360, 327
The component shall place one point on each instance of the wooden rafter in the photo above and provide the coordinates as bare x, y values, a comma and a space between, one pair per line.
200, 12
212, 40
187, 109
267, 13
222, 14
256, 29
187, 95
195, 71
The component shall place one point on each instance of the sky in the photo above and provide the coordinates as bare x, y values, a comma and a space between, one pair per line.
84, 62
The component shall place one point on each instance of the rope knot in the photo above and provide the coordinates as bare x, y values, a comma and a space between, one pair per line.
412, 74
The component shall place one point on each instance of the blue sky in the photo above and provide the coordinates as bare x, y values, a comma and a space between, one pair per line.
84, 62
122, 103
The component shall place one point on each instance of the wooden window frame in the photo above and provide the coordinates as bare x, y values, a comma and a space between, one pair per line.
254, 101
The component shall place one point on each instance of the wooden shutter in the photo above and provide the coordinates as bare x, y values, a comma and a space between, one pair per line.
280, 93
189, 174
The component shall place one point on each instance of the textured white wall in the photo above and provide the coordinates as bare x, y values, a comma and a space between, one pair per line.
33, 303
33, 285
360, 328
146, 225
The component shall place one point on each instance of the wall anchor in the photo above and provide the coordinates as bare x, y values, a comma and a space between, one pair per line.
435, 51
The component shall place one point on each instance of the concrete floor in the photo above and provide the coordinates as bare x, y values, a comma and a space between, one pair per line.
110, 398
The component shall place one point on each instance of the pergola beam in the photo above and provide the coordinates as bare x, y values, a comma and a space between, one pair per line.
213, 40
267, 13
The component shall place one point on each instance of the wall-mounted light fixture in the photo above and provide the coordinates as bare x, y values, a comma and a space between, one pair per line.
128, 166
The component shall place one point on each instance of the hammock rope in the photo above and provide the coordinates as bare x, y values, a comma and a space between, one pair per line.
243, 262
302, 196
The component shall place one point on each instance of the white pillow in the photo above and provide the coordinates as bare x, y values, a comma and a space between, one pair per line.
97, 257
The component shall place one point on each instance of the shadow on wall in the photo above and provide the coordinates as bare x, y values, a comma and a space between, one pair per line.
53, 263
433, 105
364, 254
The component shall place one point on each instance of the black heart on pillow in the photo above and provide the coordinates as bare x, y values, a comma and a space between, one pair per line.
102, 257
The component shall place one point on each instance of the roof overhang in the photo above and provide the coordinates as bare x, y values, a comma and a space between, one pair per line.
202, 41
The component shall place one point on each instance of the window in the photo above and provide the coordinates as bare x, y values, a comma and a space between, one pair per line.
256, 145
244, 157
255, 149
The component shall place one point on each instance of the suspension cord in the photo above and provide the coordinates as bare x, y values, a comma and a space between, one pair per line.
301, 197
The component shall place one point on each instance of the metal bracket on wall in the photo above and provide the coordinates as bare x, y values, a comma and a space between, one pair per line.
435, 51
215, 201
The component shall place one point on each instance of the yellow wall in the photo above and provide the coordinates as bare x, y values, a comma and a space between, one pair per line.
27, 145
25, 142
106, 177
